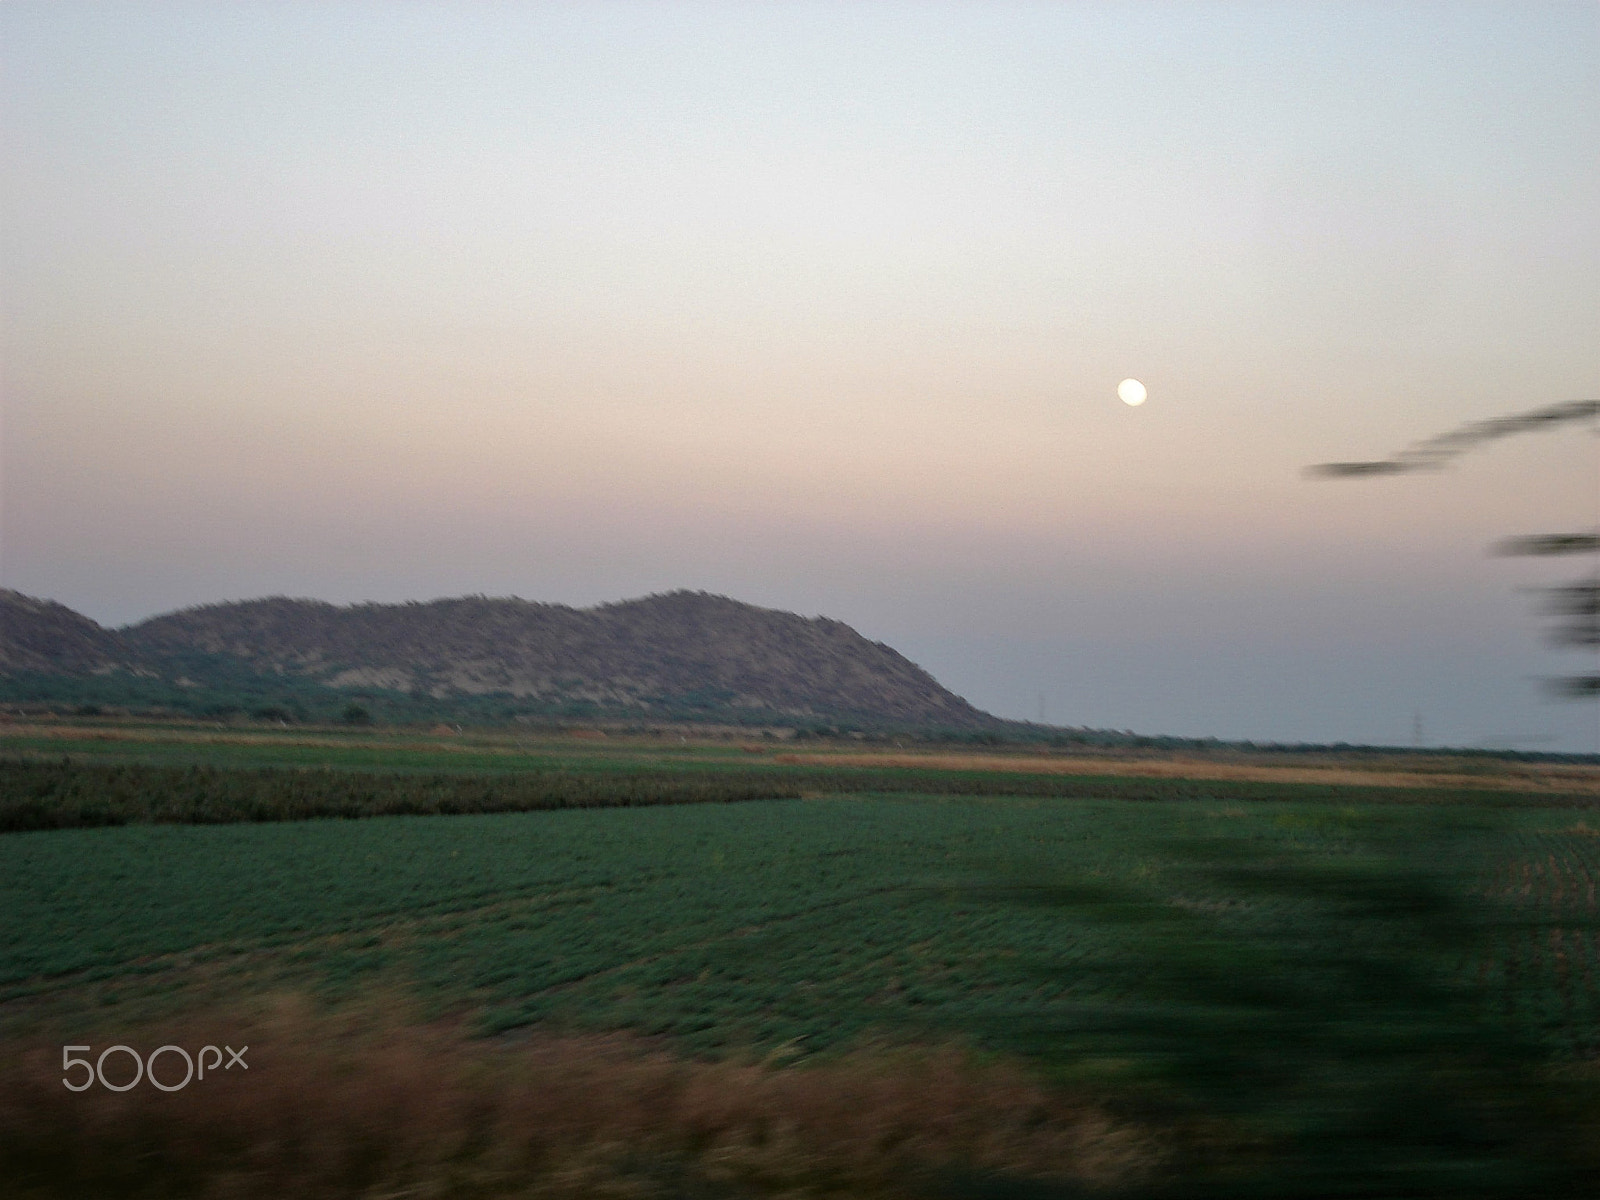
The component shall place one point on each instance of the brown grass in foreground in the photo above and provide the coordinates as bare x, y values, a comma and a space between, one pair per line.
351, 1107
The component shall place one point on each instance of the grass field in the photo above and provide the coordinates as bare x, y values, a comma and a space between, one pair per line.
803, 923
1302, 988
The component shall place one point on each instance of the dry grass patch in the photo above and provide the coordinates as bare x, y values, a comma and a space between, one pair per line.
357, 1105
1535, 777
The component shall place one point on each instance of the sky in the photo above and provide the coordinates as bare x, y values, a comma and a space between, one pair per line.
823, 307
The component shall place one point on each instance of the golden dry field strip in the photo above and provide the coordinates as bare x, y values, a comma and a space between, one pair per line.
1427, 771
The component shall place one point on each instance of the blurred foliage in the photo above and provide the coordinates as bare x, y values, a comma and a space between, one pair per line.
1347, 1011
1577, 605
1432, 453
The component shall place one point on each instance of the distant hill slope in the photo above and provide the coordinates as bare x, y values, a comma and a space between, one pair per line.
683, 652
49, 638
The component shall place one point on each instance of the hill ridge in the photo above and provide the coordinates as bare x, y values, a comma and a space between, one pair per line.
668, 652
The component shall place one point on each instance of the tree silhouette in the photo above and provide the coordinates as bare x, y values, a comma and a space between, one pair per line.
1576, 605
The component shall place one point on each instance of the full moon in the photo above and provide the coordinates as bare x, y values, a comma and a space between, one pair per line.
1131, 392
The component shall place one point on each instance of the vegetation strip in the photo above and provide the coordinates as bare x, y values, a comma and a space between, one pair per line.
64, 794
67, 795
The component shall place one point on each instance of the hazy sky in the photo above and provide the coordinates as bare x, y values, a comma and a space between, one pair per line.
823, 307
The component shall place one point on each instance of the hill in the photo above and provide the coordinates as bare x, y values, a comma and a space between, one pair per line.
49, 638
678, 655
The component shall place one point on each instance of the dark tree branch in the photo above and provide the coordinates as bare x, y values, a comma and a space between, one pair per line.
1434, 452
1575, 605
1543, 544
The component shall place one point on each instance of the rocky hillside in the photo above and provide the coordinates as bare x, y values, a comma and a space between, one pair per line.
683, 652
49, 638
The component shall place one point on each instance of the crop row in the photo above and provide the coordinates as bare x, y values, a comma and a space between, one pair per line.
69, 795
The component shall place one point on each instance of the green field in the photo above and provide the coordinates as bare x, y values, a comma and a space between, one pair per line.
800, 922
1317, 970
761, 922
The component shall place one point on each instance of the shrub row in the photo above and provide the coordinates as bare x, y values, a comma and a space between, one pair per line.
68, 795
